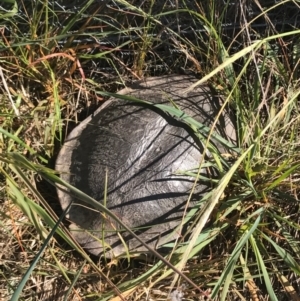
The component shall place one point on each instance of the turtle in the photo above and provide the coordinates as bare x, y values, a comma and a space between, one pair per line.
134, 158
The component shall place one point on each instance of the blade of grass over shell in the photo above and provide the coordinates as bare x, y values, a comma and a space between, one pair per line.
177, 113
218, 192
34, 211
83, 197
256, 85
204, 239
208, 208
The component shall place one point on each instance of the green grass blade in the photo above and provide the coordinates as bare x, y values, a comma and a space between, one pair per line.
260, 262
74, 281
285, 255
20, 142
17, 293
283, 177
12, 12
234, 257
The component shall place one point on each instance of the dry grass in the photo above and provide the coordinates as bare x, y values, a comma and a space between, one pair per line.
49, 83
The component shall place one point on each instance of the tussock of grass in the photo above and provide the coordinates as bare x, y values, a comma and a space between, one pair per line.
56, 64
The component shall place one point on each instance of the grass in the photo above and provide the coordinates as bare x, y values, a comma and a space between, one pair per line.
246, 242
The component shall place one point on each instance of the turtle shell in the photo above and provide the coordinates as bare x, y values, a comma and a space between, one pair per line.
141, 151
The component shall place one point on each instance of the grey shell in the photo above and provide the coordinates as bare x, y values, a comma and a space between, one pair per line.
142, 152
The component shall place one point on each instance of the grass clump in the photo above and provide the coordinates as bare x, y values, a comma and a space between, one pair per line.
56, 61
